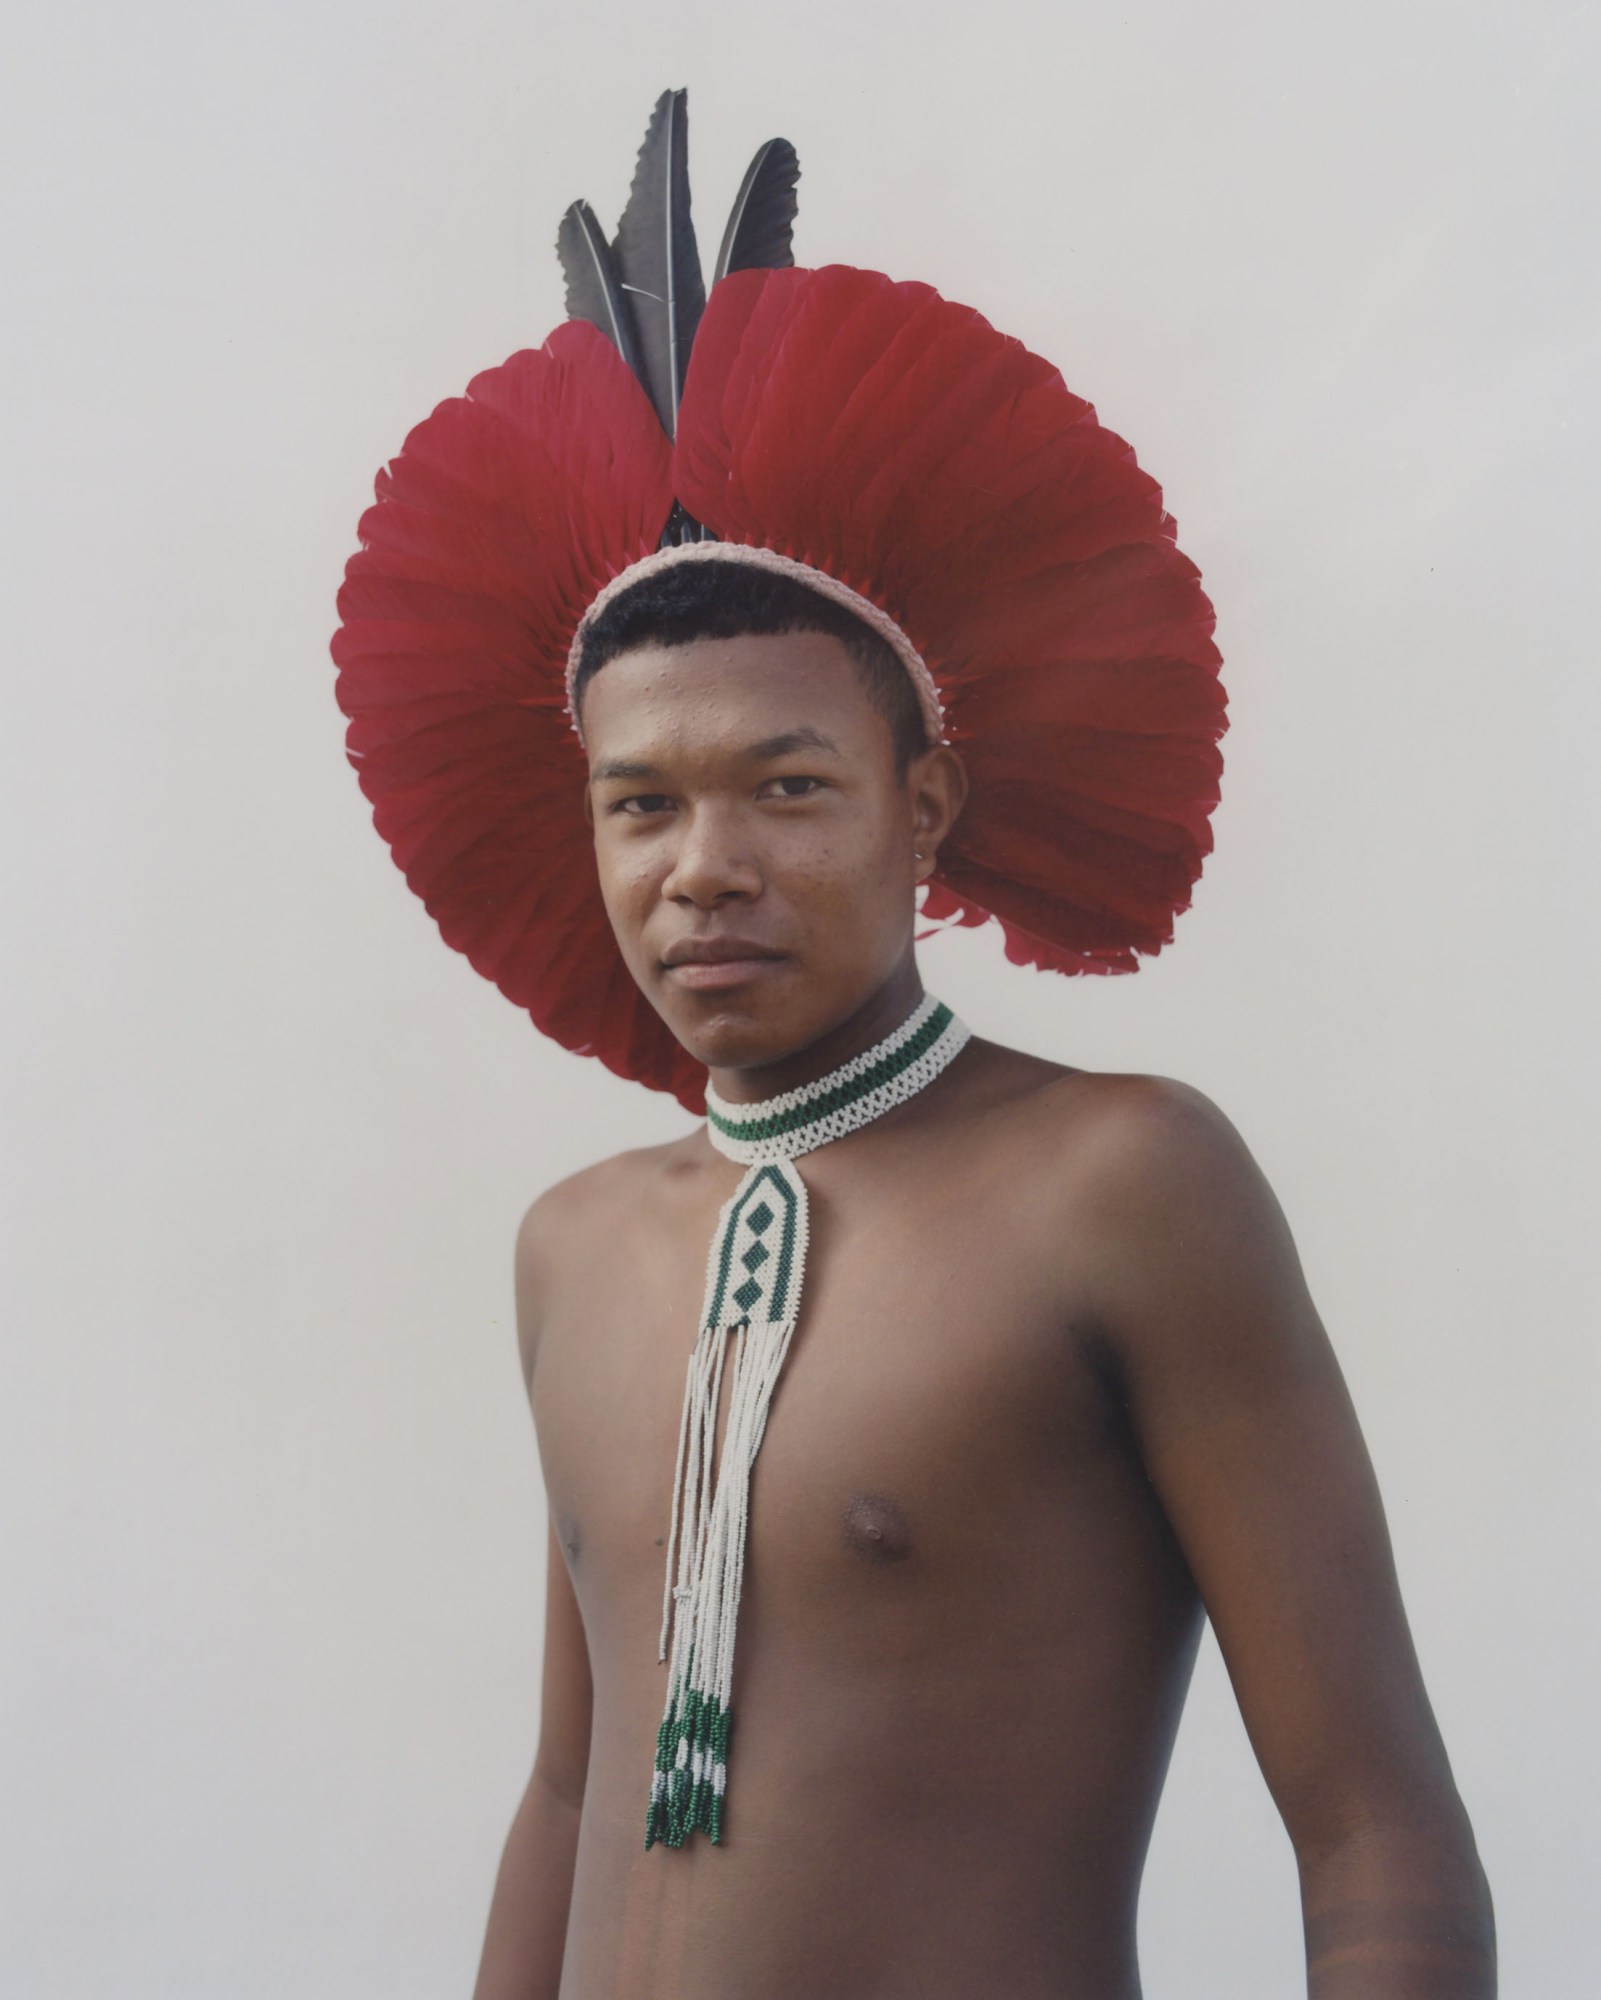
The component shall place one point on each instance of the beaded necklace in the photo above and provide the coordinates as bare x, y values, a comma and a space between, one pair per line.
753, 1291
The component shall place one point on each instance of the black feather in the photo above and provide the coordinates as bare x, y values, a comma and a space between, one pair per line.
594, 291
657, 261
758, 234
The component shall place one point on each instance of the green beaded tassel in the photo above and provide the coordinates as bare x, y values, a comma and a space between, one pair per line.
686, 1793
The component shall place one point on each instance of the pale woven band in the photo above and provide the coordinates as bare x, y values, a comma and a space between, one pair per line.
819, 580
799, 1121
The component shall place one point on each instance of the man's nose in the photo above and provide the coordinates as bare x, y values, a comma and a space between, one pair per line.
712, 860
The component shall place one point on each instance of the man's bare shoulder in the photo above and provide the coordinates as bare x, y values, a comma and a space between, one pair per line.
1189, 1265
1157, 1137
589, 1201
574, 1220
1126, 1124
1154, 1174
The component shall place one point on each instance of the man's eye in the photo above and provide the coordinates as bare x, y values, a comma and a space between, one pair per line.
639, 804
790, 788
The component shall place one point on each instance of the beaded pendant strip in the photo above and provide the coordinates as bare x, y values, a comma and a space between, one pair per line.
753, 1294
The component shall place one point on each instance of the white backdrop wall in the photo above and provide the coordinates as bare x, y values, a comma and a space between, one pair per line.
273, 1522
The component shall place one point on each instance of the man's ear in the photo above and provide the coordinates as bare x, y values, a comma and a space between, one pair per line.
936, 788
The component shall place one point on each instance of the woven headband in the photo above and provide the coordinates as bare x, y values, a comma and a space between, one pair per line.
818, 580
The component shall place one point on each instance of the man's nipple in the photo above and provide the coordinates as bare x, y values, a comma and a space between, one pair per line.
877, 1529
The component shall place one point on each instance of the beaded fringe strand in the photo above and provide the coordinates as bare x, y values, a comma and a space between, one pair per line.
764, 1223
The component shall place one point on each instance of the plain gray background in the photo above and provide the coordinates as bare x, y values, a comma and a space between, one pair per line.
273, 1518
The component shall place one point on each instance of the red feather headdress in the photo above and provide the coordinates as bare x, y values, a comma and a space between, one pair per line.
921, 464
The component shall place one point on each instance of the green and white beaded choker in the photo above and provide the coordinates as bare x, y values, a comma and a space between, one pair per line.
753, 1291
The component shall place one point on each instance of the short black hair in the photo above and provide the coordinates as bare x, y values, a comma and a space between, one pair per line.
728, 599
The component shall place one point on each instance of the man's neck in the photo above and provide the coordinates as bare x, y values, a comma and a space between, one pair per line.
879, 1015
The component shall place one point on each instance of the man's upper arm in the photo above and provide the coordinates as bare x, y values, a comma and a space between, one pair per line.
533, 1275
566, 1693
1252, 1445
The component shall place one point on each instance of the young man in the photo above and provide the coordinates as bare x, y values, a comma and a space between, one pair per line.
1006, 1373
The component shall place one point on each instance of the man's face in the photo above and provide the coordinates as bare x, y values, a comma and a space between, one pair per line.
755, 843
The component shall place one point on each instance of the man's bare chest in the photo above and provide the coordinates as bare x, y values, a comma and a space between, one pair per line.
941, 1436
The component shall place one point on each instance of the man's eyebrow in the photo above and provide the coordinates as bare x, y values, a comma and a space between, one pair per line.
626, 769
620, 767
789, 740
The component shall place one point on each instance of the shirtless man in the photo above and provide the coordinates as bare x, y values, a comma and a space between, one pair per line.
1060, 1393
861, 597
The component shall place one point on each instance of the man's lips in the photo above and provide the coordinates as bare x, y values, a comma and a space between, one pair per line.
711, 964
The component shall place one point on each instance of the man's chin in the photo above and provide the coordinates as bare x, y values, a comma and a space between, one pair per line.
736, 1029
727, 1044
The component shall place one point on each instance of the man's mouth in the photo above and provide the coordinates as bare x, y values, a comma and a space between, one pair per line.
711, 965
